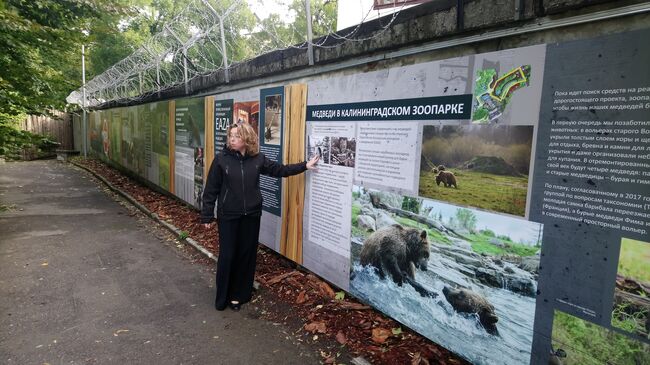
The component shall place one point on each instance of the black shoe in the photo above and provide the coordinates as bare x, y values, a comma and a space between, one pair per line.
235, 306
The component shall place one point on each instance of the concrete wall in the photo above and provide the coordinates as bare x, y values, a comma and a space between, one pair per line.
430, 23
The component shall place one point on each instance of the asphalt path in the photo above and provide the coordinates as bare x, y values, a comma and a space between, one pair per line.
84, 281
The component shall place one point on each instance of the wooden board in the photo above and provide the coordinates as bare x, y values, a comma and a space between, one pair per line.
208, 152
293, 188
172, 146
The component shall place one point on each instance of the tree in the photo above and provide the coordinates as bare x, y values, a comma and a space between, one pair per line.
411, 204
466, 219
277, 33
40, 44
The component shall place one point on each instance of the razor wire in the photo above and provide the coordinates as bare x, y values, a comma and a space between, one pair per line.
212, 35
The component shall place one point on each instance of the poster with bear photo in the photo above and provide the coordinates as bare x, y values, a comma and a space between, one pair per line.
464, 278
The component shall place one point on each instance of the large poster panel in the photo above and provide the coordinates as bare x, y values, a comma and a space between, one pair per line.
457, 275
115, 135
419, 206
223, 118
190, 142
155, 117
591, 189
270, 132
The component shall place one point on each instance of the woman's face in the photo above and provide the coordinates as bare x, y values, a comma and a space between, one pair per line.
235, 141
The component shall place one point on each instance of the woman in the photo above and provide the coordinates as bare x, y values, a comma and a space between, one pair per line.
234, 179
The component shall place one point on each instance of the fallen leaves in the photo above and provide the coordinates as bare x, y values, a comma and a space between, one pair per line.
340, 338
324, 312
316, 327
380, 335
302, 297
419, 360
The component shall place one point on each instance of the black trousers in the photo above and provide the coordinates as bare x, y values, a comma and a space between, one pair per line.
238, 239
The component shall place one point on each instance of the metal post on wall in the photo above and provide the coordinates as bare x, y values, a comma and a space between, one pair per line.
158, 76
185, 70
310, 49
223, 51
224, 54
83, 101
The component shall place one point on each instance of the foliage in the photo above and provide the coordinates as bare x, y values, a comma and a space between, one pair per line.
506, 194
433, 235
40, 51
633, 323
356, 210
277, 33
40, 41
466, 219
452, 147
487, 232
589, 344
7, 208
481, 245
634, 259
503, 237
411, 204
13, 140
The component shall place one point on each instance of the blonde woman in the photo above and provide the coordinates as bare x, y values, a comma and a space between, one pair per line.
234, 179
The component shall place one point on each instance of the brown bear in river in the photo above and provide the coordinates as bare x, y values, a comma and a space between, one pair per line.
467, 301
447, 178
399, 251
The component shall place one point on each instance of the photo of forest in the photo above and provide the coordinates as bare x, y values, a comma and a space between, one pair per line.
477, 165
579, 342
631, 309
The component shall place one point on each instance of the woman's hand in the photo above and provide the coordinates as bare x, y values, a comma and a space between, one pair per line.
208, 225
311, 164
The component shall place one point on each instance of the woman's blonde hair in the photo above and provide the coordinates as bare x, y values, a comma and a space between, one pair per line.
248, 135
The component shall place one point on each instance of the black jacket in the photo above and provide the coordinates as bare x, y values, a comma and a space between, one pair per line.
235, 180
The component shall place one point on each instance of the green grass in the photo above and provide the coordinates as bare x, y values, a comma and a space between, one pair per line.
7, 208
506, 194
356, 210
589, 344
633, 323
434, 235
634, 259
481, 244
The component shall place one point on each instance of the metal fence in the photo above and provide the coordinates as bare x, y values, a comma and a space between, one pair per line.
213, 35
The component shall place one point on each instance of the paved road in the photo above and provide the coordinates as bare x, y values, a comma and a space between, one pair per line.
83, 282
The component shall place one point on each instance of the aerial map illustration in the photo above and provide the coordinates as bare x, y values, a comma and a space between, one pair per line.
493, 93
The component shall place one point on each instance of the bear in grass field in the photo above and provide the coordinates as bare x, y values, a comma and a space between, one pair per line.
399, 251
467, 301
446, 177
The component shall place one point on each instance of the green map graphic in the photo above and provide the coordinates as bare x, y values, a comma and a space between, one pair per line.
493, 94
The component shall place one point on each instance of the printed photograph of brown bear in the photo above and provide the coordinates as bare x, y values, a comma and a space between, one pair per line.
464, 278
482, 166
398, 251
